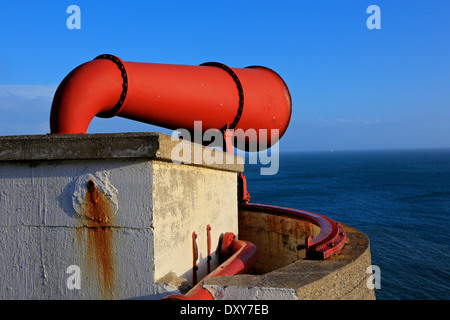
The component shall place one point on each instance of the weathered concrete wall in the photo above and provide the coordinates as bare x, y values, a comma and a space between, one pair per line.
187, 199
113, 205
275, 237
46, 227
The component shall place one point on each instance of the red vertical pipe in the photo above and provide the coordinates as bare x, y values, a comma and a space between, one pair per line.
243, 256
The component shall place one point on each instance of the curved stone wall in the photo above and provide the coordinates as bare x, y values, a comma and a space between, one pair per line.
341, 277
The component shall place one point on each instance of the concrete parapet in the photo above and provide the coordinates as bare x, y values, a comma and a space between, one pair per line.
341, 277
113, 207
147, 145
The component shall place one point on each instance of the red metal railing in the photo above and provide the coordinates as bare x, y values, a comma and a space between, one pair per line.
330, 239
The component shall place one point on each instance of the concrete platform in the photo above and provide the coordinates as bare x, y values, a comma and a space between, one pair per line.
342, 277
122, 208
118, 210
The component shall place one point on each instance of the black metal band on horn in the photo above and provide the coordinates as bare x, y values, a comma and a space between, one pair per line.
238, 86
114, 111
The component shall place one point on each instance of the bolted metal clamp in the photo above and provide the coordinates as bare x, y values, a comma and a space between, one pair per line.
114, 111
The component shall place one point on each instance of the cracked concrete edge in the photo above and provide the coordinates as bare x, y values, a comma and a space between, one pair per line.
220, 292
178, 284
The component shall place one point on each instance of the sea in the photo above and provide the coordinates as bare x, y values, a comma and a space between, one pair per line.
399, 198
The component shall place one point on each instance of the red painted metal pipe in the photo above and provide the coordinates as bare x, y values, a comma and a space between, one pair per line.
173, 96
243, 256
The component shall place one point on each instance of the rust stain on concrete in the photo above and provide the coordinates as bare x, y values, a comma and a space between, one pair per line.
100, 236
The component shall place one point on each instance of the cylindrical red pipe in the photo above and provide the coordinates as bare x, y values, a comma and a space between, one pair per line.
174, 97
244, 256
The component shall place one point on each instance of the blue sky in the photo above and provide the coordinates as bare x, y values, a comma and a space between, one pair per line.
352, 88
